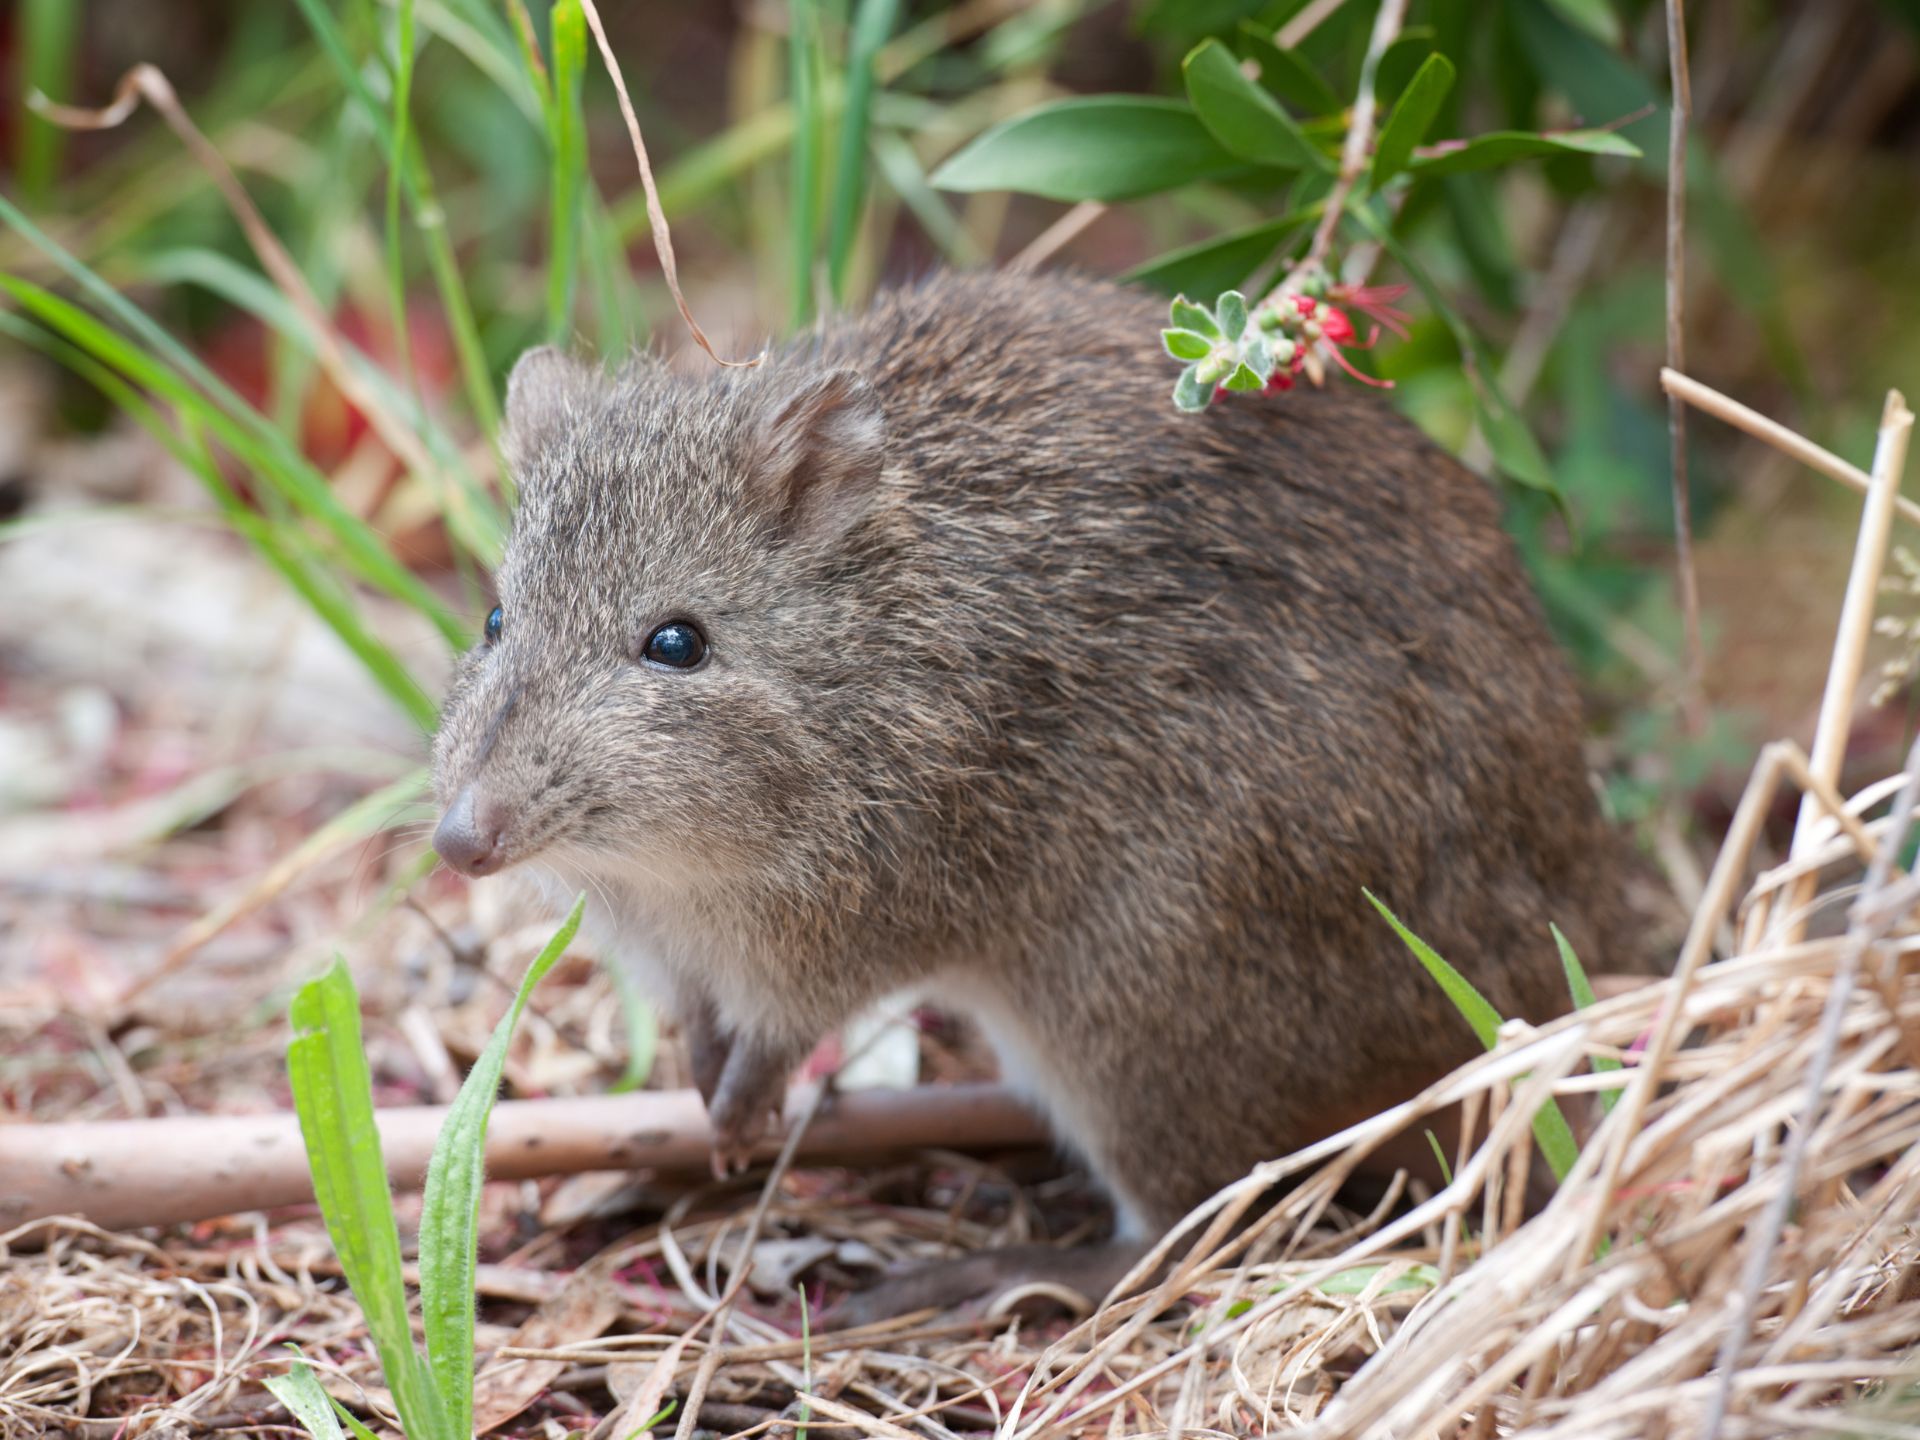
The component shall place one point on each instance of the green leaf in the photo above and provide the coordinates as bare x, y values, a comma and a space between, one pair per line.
450, 1210
1188, 316
1356, 1280
1581, 990
1244, 378
1230, 310
1514, 449
1550, 1128
1185, 344
1407, 126
1190, 392
1404, 56
1185, 19
1596, 17
300, 1392
1283, 74
1503, 147
1439, 1155
1213, 265
1098, 147
1256, 352
333, 1096
1244, 118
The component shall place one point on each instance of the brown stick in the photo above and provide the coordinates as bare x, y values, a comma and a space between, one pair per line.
1835, 725
121, 1174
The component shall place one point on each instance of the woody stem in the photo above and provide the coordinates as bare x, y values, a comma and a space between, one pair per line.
1359, 141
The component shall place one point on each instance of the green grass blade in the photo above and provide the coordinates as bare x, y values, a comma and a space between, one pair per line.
450, 1212
1471, 1004
334, 608
532, 66
643, 1031
806, 1363
900, 168
1581, 989
873, 23
618, 310
243, 428
333, 1096
490, 45
809, 141
1550, 1128
400, 134
351, 1421
300, 1392
48, 35
566, 136
472, 515
448, 279
325, 598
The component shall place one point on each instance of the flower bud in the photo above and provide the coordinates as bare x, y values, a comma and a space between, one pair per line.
1216, 367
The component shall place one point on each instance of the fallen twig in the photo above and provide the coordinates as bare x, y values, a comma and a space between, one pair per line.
127, 1173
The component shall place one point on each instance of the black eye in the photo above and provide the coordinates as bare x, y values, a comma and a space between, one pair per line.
493, 624
677, 645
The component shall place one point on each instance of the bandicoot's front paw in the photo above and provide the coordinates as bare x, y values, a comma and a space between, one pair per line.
746, 1101
735, 1138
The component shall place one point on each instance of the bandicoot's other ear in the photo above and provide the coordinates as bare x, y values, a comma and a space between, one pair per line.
544, 387
819, 453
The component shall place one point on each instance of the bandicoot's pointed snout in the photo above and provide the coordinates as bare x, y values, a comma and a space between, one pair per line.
468, 836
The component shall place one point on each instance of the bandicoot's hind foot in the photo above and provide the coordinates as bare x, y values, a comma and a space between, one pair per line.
1087, 1272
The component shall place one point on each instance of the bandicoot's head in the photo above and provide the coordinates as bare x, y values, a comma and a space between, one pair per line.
686, 604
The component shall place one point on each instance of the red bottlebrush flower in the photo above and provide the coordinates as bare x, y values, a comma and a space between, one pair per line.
1347, 365
1376, 303
1335, 327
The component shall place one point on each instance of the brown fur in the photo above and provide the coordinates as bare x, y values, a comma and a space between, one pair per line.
1090, 716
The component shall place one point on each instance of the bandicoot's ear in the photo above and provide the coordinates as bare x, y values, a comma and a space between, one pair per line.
541, 392
819, 453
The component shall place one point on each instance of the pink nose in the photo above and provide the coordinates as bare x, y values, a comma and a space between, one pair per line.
468, 837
